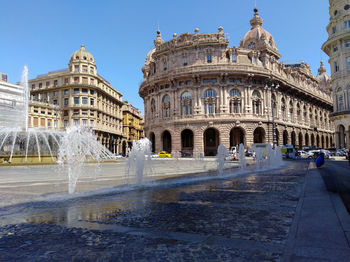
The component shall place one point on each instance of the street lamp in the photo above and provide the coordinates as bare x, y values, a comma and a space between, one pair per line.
273, 87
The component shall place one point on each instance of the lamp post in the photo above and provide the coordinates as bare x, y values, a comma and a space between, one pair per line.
273, 87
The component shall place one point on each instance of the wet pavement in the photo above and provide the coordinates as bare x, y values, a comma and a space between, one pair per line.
245, 218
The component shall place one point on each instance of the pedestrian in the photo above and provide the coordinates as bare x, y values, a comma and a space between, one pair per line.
254, 155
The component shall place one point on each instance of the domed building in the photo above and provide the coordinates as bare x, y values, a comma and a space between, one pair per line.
198, 93
82, 97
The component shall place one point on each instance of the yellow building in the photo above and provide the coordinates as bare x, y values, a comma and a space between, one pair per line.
44, 115
132, 125
82, 97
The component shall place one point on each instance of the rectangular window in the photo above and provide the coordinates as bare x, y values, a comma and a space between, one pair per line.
185, 61
165, 66
84, 91
55, 83
234, 58
347, 24
334, 29
47, 84
181, 83
84, 112
65, 123
85, 122
85, 101
66, 80
76, 91
76, 68
42, 121
91, 70
188, 83
336, 66
76, 122
92, 92
33, 86
49, 123
91, 122
85, 68
40, 85
209, 59
76, 80
85, 80
347, 43
65, 113
66, 92
55, 102
54, 93
76, 112
92, 81
348, 62
92, 102
335, 48
76, 100
66, 101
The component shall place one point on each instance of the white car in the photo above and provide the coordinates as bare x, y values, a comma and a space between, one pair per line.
302, 153
310, 154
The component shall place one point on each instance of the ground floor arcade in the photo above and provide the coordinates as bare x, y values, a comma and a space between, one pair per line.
206, 138
112, 142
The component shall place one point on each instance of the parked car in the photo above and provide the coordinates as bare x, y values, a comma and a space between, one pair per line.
164, 154
249, 152
302, 153
311, 153
340, 152
117, 156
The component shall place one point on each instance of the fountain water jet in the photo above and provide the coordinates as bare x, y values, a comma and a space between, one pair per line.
220, 158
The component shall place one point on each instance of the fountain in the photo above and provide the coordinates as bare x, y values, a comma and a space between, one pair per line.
220, 158
241, 157
139, 161
37, 145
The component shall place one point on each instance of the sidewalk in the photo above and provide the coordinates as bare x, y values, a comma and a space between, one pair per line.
321, 227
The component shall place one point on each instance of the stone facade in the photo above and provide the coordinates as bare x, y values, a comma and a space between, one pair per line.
198, 93
84, 98
132, 126
337, 47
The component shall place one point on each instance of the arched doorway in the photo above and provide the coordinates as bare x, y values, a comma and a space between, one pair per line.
236, 136
293, 138
259, 135
300, 140
285, 137
307, 142
186, 143
152, 138
312, 140
124, 148
166, 138
211, 142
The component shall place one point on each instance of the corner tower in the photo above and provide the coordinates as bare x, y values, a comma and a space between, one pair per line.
337, 47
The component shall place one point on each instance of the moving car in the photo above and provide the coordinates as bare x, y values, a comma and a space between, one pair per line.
164, 154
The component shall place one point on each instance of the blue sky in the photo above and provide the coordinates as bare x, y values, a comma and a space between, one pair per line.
44, 33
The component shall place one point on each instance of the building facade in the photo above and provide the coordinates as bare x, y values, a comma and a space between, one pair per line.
337, 47
198, 93
132, 125
44, 115
82, 98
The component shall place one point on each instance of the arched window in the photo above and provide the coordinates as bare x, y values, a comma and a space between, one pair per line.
298, 112
283, 108
153, 109
235, 101
166, 106
291, 110
274, 104
304, 113
311, 117
186, 104
210, 101
256, 99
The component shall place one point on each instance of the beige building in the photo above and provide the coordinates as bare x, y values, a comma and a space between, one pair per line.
83, 98
198, 93
337, 47
133, 125
44, 115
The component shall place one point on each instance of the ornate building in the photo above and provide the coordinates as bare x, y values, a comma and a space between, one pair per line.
198, 93
133, 127
337, 47
83, 98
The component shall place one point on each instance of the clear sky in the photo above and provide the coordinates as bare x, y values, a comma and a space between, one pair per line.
43, 34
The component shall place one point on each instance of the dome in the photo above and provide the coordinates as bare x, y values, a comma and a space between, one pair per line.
257, 37
82, 55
